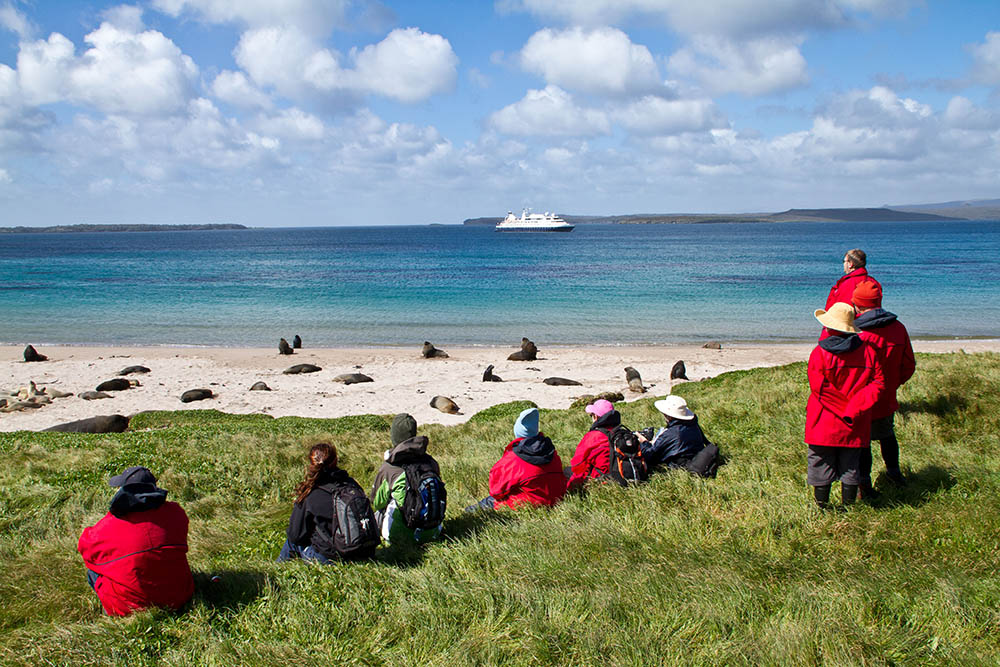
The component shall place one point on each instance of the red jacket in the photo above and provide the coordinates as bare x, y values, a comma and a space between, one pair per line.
843, 289
885, 333
593, 455
844, 388
514, 481
141, 557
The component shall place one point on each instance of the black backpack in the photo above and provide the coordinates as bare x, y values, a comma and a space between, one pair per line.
626, 464
426, 498
355, 530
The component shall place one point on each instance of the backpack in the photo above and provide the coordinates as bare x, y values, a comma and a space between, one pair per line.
705, 463
426, 498
355, 531
626, 464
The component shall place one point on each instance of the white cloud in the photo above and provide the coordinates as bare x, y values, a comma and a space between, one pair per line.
292, 124
603, 61
755, 67
5, 176
549, 112
986, 60
657, 116
15, 21
307, 16
126, 17
408, 65
236, 89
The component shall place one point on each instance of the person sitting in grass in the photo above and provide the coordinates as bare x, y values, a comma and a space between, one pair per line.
593, 453
408, 471
845, 382
529, 472
136, 556
681, 443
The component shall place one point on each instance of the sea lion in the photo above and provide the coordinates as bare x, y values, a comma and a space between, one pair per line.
634, 380
93, 395
284, 347
100, 424
260, 386
678, 371
352, 378
562, 382
445, 404
712, 345
429, 351
117, 384
301, 368
55, 393
528, 352
128, 370
196, 395
17, 406
488, 375
296, 342
30, 354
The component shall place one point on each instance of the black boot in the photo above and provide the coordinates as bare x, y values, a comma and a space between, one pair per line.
822, 496
868, 493
848, 493
895, 476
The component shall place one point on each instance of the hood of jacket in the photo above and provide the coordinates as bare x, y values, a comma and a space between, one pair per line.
607, 421
874, 319
407, 451
841, 344
137, 498
536, 450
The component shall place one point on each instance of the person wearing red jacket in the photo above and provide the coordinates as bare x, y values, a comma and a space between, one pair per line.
845, 382
854, 273
136, 556
529, 472
880, 329
593, 455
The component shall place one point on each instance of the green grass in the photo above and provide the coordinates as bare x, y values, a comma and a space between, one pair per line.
741, 569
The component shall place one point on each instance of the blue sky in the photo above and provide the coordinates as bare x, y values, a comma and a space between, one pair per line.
345, 112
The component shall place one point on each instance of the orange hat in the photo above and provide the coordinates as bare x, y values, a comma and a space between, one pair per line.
867, 294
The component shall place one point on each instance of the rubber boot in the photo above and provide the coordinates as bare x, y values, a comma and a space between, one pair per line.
822, 496
848, 494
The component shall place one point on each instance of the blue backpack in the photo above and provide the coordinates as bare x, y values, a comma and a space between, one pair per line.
426, 498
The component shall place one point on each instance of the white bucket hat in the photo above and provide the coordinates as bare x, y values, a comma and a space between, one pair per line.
674, 406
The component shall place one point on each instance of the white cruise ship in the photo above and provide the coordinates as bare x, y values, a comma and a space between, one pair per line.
533, 222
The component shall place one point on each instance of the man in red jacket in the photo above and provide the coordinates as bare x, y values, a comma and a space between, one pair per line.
854, 273
845, 382
593, 455
880, 329
136, 556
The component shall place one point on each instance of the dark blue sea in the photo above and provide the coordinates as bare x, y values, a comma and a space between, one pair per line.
600, 284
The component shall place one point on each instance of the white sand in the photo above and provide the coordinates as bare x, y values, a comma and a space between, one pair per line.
403, 380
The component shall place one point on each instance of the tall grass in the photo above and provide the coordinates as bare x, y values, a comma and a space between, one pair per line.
741, 569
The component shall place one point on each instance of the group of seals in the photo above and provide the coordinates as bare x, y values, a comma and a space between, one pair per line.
430, 352
30, 354
29, 398
528, 352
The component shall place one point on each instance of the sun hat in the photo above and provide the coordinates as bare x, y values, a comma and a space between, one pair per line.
599, 408
526, 425
133, 475
840, 317
403, 428
867, 294
674, 406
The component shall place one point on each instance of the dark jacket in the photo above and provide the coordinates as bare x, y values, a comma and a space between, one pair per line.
389, 488
593, 454
881, 329
530, 471
139, 549
681, 439
316, 509
845, 382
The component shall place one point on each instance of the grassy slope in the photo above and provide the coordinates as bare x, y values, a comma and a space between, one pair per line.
740, 569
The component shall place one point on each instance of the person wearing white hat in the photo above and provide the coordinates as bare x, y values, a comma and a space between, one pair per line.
680, 441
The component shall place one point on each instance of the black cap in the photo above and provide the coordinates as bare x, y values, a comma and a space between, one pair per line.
133, 475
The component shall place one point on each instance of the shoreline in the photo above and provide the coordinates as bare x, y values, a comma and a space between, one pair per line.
403, 380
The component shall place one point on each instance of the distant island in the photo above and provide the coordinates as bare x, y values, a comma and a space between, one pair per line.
68, 229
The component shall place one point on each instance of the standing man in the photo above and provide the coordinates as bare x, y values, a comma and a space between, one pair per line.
854, 273
880, 329
136, 556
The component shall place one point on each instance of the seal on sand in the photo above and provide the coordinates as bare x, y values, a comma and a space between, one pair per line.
284, 347
93, 395
634, 380
352, 378
30, 354
678, 371
488, 375
260, 386
429, 351
117, 384
528, 352
296, 342
445, 404
128, 370
196, 395
712, 345
562, 382
100, 424
301, 368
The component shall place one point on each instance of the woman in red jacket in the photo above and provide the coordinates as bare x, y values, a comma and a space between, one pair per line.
593, 454
845, 380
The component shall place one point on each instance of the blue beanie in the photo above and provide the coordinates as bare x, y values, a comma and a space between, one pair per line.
526, 424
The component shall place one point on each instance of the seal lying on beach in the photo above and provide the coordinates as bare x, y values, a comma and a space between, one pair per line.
429, 351
129, 370
260, 386
488, 375
93, 395
562, 382
55, 393
678, 372
117, 384
296, 342
634, 380
712, 345
528, 352
17, 406
352, 378
445, 404
30, 354
100, 424
284, 347
301, 368
196, 395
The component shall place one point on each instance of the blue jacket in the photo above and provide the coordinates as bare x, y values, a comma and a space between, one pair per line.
682, 438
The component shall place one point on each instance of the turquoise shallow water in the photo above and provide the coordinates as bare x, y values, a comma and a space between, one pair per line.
600, 284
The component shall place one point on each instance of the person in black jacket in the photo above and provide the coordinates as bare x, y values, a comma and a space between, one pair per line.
680, 441
314, 507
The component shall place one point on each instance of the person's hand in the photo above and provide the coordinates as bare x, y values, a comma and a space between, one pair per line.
641, 437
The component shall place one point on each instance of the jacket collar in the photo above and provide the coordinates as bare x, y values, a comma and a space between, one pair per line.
841, 344
874, 319
408, 450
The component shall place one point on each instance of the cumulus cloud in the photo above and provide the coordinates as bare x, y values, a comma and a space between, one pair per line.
126, 17
307, 16
603, 61
408, 65
755, 67
292, 124
653, 115
986, 60
549, 112
236, 89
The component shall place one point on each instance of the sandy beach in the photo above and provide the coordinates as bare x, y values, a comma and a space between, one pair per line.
403, 381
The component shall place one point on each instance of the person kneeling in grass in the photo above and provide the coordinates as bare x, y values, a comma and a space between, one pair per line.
845, 382
529, 472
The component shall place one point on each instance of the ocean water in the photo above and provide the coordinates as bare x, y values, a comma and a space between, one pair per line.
600, 284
